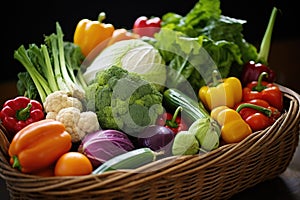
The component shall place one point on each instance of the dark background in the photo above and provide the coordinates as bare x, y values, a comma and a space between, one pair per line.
25, 22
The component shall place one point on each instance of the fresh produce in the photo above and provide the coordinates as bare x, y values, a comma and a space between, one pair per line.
53, 66
191, 108
133, 55
258, 113
157, 138
221, 92
146, 27
60, 99
129, 160
127, 100
220, 36
203, 134
267, 91
207, 132
123, 100
89, 34
103, 145
77, 123
73, 164
233, 128
121, 34
63, 107
199, 121
172, 121
254, 68
245, 112
19, 112
39, 145
185, 143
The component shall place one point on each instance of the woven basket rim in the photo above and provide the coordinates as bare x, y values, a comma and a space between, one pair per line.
108, 182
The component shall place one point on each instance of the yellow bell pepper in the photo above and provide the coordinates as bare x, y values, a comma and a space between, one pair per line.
88, 34
233, 128
221, 92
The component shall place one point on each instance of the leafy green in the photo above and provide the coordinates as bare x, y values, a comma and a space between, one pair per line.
202, 41
25, 86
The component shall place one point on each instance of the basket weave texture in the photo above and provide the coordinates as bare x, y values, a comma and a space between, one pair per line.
215, 175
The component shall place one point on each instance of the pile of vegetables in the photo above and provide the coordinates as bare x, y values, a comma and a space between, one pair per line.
175, 85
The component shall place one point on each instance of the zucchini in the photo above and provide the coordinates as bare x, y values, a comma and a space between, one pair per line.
129, 160
192, 109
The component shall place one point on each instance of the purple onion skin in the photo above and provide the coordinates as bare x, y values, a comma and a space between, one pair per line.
157, 138
103, 145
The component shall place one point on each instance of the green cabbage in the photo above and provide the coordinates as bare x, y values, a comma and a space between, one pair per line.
134, 55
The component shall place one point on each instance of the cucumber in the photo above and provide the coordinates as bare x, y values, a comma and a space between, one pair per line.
192, 109
202, 125
129, 160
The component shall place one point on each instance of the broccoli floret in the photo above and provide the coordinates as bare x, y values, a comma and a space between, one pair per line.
123, 100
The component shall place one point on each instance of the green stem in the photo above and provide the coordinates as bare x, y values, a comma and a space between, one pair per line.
49, 71
70, 84
16, 163
81, 80
172, 123
183, 65
59, 78
101, 17
215, 78
24, 113
266, 42
259, 87
261, 109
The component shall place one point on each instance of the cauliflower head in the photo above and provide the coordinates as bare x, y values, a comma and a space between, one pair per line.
123, 100
60, 99
78, 123
63, 107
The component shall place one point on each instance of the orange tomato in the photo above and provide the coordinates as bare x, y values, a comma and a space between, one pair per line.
73, 164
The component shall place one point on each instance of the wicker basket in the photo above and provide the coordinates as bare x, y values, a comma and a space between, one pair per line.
216, 175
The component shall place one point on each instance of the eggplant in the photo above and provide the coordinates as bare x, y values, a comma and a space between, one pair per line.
102, 145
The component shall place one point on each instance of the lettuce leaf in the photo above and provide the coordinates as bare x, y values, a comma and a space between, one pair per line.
218, 38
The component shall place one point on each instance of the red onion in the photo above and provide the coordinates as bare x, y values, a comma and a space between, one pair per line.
157, 138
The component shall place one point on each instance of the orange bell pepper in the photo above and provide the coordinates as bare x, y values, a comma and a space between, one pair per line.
89, 34
233, 128
39, 145
121, 34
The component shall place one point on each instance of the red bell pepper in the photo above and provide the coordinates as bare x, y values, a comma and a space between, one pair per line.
146, 27
19, 112
253, 69
264, 90
257, 113
173, 122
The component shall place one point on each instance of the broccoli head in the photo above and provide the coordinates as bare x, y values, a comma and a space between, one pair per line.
123, 100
